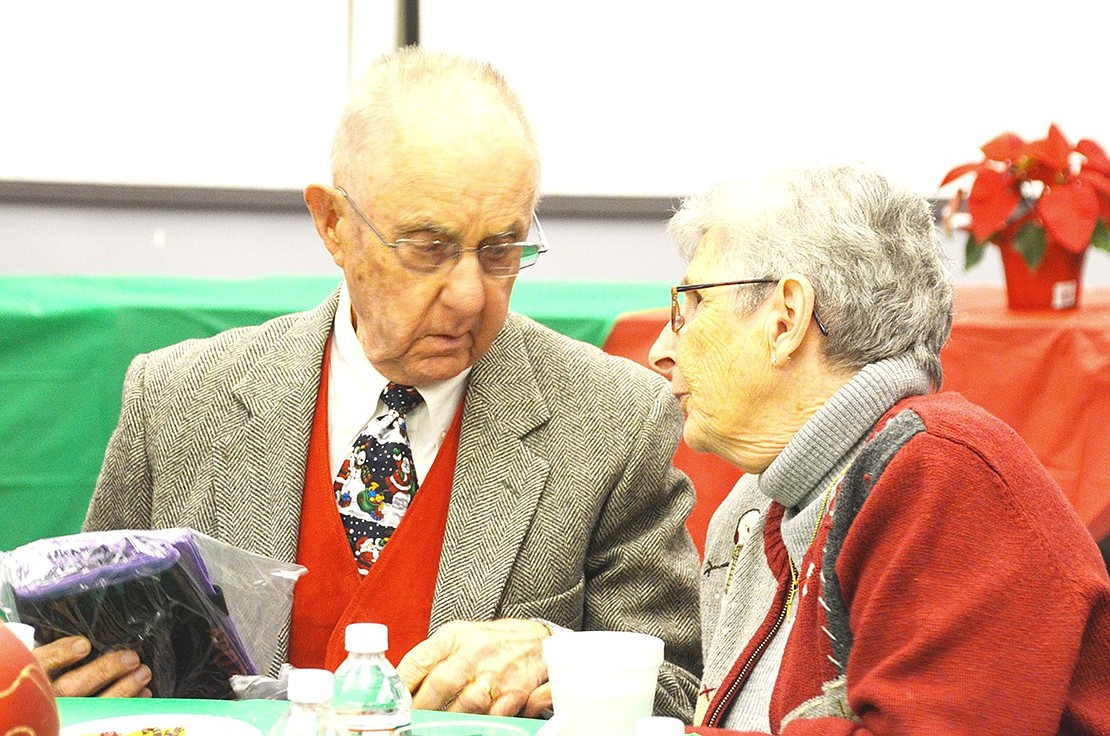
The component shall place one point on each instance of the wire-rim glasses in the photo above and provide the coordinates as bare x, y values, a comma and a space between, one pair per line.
678, 321
429, 255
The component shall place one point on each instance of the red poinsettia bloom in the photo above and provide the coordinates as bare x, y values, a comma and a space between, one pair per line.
1035, 193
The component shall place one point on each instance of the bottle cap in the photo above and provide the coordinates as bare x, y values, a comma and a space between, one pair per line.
367, 638
24, 632
310, 686
659, 726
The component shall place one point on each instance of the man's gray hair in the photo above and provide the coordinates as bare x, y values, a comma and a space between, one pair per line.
869, 246
368, 118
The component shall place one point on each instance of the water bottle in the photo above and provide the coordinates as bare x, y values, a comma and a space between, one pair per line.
310, 712
370, 698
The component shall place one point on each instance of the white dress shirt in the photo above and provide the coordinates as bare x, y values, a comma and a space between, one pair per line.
354, 397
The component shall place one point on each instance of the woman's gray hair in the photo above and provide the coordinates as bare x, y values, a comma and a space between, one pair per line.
369, 116
869, 246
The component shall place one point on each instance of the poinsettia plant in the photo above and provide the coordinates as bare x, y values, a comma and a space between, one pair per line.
1030, 194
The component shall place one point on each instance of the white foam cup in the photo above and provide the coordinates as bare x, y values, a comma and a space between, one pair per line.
602, 682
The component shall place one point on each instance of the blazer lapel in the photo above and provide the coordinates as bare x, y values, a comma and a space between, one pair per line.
497, 484
259, 454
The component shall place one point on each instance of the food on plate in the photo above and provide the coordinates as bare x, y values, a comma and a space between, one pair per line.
151, 731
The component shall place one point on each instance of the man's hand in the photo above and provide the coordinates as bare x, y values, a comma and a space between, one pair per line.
493, 667
113, 675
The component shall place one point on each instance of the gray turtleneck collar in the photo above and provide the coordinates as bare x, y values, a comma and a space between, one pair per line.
825, 443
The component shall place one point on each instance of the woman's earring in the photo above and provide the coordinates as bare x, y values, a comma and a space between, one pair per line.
774, 358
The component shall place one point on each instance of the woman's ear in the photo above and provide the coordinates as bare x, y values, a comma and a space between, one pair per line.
792, 309
321, 201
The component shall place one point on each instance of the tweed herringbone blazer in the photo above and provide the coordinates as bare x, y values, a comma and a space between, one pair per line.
565, 505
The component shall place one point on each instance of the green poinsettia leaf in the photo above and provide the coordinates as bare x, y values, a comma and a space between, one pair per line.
1029, 242
1100, 238
973, 251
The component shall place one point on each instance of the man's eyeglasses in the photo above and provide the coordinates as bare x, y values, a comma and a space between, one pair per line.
678, 320
430, 254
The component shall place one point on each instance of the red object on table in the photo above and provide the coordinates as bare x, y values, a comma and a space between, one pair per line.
27, 704
1056, 284
1045, 373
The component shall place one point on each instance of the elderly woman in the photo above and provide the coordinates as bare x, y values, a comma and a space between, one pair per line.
894, 560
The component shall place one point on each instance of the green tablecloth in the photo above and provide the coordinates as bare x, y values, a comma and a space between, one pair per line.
259, 713
65, 343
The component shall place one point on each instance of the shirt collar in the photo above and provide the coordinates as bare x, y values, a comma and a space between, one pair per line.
440, 397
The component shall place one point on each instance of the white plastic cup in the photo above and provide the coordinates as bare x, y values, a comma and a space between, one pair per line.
660, 726
602, 682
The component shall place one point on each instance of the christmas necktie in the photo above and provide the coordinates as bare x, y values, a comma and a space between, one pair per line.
377, 480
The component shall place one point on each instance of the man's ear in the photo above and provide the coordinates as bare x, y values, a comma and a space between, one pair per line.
321, 201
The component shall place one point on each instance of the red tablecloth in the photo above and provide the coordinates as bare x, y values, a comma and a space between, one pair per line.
1046, 374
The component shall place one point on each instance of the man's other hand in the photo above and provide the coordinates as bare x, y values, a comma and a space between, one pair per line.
112, 675
493, 667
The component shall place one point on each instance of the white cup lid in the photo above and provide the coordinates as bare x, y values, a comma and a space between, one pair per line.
365, 638
602, 650
310, 686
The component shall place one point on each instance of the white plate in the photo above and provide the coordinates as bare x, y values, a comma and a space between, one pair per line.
194, 725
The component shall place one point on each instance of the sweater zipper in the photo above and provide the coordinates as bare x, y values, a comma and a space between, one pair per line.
735, 685
791, 594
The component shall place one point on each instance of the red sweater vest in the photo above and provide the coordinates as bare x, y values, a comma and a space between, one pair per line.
399, 588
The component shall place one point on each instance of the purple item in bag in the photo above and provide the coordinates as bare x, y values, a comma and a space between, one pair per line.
145, 591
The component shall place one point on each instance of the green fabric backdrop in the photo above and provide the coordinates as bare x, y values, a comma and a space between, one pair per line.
65, 343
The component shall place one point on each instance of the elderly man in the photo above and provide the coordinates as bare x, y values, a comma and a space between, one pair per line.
438, 464
894, 561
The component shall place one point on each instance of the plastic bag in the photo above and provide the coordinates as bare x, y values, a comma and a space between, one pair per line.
261, 687
195, 609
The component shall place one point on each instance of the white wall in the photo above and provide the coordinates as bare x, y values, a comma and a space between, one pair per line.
68, 239
628, 98
197, 92
664, 97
